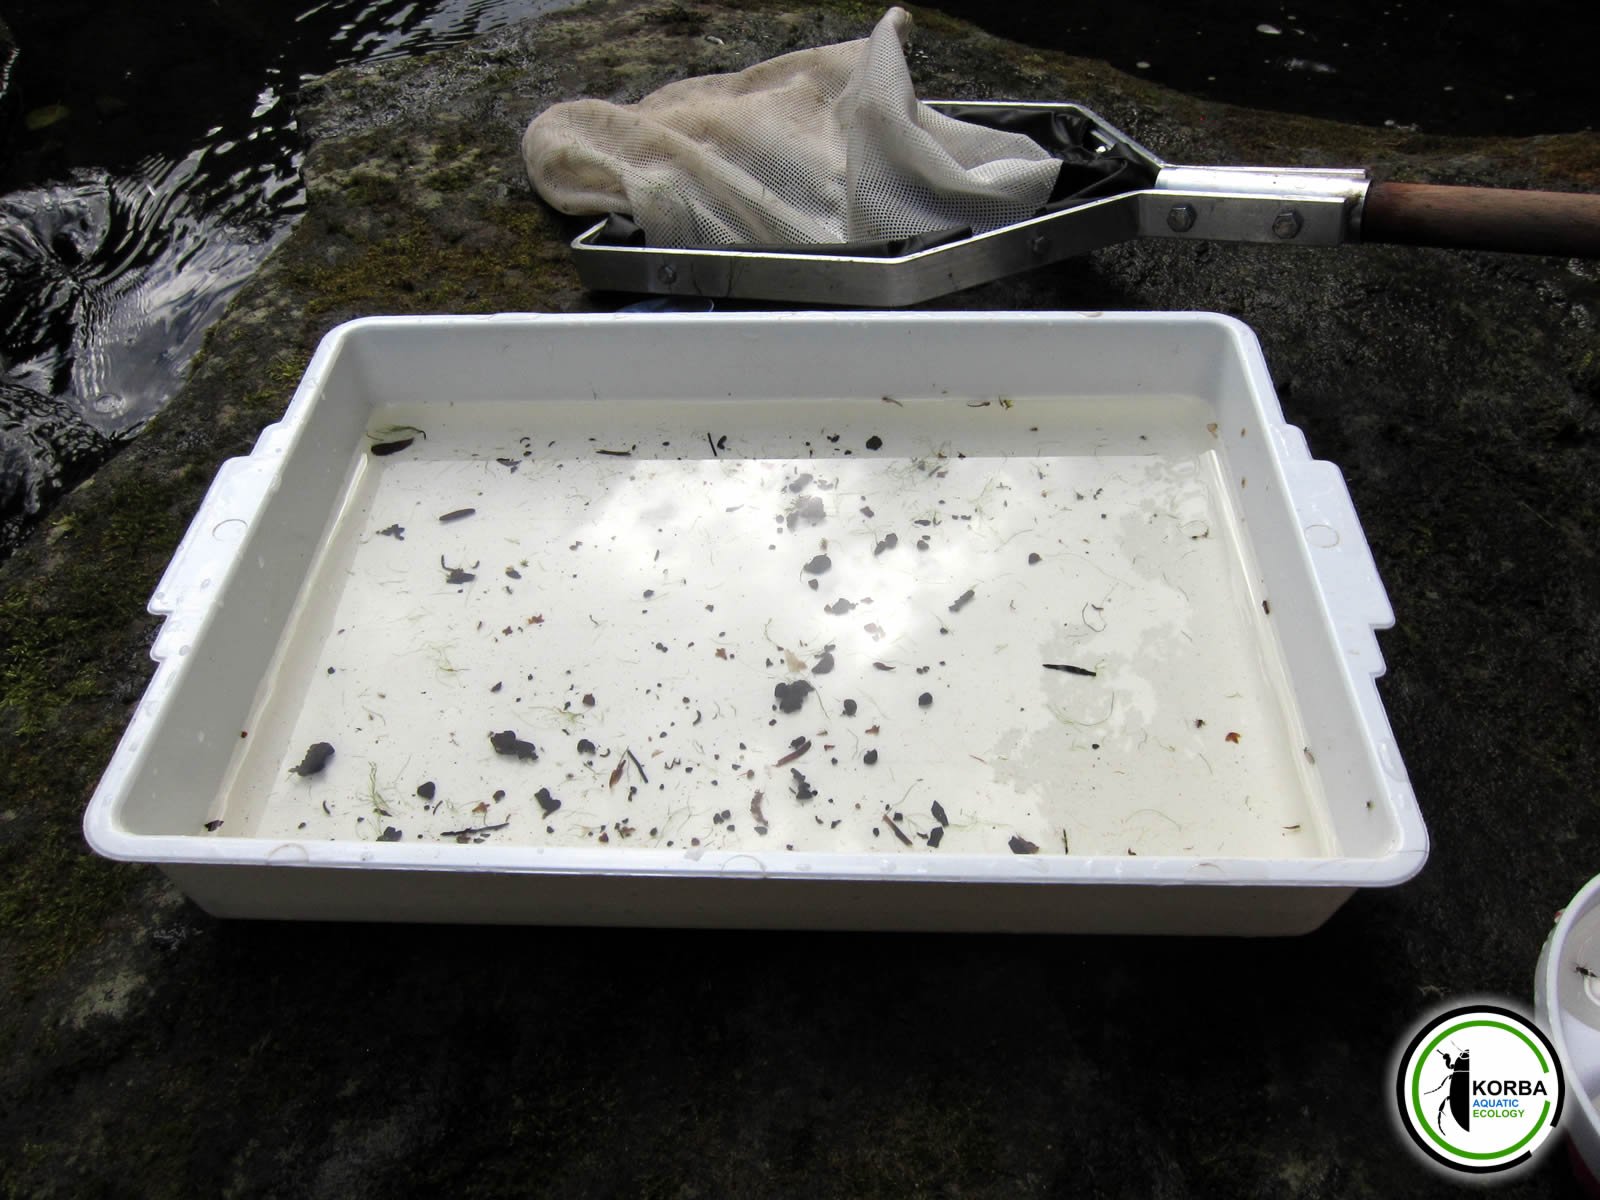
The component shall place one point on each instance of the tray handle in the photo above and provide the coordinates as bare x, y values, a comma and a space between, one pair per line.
1342, 560
208, 552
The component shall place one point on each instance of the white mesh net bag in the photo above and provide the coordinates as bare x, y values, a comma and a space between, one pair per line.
824, 145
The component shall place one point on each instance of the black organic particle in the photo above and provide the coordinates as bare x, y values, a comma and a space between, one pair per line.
870, 757
889, 542
803, 791
585, 746
616, 453
397, 532
791, 695
866, 511
849, 708
1021, 845
455, 574
882, 666
506, 742
457, 515
938, 813
383, 449
213, 826
426, 790
390, 834
925, 699
922, 543
1034, 558
498, 685
317, 756
637, 766
1069, 669
547, 803
812, 584
839, 607
661, 646
962, 600
823, 664
874, 442
513, 573
588, 699
818, 565
896, 830
472, 831
799, 485
936, 837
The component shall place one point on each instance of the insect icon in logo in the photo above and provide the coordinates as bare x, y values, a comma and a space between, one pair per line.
1501, 1086
1459, 1078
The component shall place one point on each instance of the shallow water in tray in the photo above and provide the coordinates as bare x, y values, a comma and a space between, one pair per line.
563, 641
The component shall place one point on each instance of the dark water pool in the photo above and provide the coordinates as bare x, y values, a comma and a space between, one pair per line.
149, 157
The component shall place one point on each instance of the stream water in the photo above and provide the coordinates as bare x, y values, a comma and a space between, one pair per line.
148, 163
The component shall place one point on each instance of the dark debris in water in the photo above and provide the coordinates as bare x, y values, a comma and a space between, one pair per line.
1021, 845
809, 509
397, 532
455, 574
316, 758
426, 790
458, 514
547, 803
506, 742
963, 600
799, 746
390, 834
791, 696
384, 449
939, 814
803, 790
818, 565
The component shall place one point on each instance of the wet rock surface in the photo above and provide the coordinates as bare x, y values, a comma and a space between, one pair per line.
147, 1048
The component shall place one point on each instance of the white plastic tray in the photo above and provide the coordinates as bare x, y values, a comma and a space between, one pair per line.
941, 621
1566, 1001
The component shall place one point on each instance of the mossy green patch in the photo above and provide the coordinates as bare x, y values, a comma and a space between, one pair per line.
63, 648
